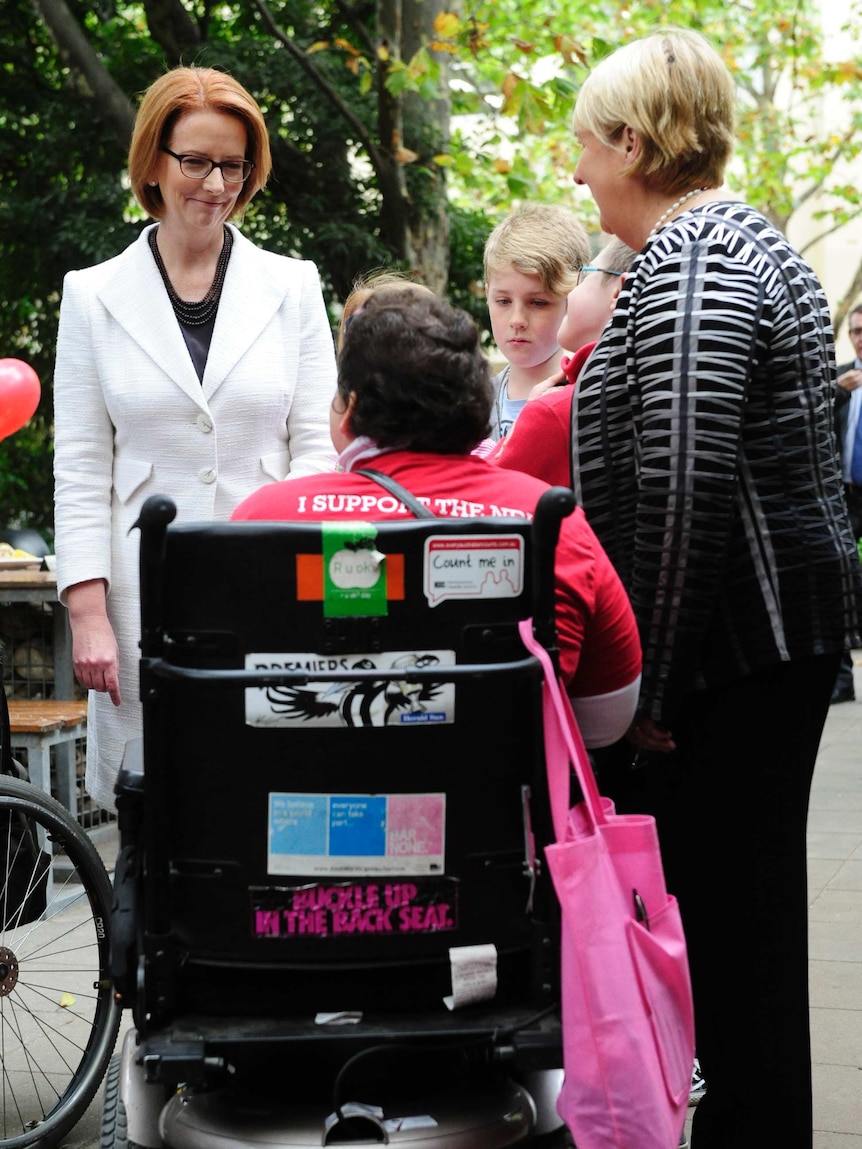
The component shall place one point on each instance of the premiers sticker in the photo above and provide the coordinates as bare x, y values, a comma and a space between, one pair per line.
402, 701
356, 834
373, 908
473, 566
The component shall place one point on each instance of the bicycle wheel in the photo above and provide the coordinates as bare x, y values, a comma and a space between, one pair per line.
58, 1017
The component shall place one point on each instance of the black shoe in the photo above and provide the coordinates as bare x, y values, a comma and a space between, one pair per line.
843, 694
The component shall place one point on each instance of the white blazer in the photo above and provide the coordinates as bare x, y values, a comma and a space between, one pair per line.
132, 420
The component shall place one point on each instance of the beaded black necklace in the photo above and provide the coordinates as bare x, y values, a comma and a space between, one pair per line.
203, 310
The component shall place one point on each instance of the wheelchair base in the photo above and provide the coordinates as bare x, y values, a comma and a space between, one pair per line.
223, 1120
481, 1112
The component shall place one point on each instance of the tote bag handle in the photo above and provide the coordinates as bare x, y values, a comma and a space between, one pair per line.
564, 746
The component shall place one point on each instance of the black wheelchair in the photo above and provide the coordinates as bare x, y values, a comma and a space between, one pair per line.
332, 923
58, 1015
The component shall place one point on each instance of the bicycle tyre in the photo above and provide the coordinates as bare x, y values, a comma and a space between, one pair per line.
58, 1016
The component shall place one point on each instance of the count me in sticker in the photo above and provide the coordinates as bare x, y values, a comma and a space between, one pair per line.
473, 566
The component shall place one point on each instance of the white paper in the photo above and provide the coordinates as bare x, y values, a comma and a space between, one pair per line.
343, 1017
474, 975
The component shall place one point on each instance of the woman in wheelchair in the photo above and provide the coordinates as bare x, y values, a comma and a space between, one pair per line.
334, 924
413, 399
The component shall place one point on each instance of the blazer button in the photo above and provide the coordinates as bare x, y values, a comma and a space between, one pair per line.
207, 474
205, 424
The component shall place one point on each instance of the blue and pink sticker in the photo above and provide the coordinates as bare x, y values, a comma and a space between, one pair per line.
354, 835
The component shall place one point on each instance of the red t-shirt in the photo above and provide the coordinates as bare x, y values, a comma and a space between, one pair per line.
540, 442
598, 638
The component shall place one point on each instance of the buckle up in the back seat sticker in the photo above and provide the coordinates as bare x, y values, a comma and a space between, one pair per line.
427, 905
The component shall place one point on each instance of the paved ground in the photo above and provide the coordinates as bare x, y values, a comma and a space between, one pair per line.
835, 898
835, 932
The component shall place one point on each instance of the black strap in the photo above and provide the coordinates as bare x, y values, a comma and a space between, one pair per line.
395, 488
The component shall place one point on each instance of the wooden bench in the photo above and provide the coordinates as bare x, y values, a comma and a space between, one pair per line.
37, 726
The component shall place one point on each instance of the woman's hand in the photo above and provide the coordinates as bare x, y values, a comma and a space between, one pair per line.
547, 385
644, 733
95, 655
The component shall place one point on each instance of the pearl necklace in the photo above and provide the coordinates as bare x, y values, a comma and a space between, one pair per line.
665, 215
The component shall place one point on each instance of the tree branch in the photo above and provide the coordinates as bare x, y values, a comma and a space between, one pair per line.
353, 18
828, 231
172, 28
377, 159
110, 103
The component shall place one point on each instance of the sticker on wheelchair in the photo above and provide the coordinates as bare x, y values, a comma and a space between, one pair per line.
353, 835
354, 571
473, 566
428, 905
364, 702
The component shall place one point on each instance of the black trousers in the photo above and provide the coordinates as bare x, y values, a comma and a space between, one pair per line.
731, 804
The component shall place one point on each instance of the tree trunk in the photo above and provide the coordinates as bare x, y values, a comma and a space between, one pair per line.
394, 223
108, 100
426, 132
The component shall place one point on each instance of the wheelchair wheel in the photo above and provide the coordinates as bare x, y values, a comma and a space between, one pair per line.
58, 1017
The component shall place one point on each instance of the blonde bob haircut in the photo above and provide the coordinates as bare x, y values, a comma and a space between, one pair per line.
175, 94
674, 90
540, 239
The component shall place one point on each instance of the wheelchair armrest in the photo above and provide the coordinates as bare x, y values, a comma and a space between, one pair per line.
129, 791
131, 775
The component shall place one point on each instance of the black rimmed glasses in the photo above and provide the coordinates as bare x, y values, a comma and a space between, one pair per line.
199, 167
854, 331
583, 272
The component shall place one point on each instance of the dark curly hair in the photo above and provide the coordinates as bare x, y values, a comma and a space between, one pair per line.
416, 368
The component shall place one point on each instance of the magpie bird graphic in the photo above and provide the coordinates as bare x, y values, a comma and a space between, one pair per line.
369, 702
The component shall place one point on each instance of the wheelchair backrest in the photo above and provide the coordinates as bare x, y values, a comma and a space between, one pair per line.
343, 757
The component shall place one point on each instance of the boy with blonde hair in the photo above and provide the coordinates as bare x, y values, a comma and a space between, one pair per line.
541, 443
532, 260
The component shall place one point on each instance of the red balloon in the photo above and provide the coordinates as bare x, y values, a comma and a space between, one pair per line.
19, 395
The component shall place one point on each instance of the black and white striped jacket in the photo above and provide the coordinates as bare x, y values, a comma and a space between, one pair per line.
704, 456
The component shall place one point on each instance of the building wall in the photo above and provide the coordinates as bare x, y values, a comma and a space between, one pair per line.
836, 257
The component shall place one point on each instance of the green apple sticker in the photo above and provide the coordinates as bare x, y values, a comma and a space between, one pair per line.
354, 570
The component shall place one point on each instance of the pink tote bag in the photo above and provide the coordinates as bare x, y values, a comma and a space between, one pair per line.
628, 1021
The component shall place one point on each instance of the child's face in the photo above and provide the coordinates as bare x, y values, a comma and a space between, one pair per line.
588, 309
524, 317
